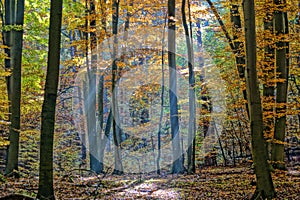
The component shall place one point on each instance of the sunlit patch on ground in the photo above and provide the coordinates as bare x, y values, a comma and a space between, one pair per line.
150, 190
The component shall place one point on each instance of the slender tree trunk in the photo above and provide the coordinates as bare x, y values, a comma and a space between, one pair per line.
103, 139
91, 97
269, 72
238, 46
221, 146
177, 166
103, 133
14, 82
282, 85
264, 186
162, 99
235, 44
116, 129
82, 130
193, 158
192, 102
46, 190
104, 15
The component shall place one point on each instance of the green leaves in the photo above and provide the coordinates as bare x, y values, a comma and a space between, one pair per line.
12, 28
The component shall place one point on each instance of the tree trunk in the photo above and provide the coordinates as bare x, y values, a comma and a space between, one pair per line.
162, 100
269, 76
177, 166
264, 186
91, 97
282, 85
104, 134
82, 130
192, 102
14, 82
102, 139
45, 190
238, 46
116, 129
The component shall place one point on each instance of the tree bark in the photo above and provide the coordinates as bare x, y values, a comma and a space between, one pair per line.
282, 85
177, 166
115, 115
162, 100
269, 75
238, 46
104, 134
91, 97
264, 187
235, 45
14, 81
45, 190
192, 102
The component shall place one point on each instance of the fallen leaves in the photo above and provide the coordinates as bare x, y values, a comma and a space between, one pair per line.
207, 183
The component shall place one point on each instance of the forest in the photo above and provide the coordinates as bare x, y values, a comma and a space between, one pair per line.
152, 99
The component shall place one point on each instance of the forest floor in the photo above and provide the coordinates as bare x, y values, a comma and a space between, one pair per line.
207, 183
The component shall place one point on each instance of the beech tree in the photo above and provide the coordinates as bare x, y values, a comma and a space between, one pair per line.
177, 166
115, 115
192, 101
264, 185
236, 44
281, 51
14, 20
269, 72
91, 88
46, 190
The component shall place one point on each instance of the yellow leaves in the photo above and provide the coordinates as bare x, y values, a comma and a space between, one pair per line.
5, 123
121, 64
199, 11
30, 132
281, 105
3, 143
77, 61
274, 141
3, 46
5, 73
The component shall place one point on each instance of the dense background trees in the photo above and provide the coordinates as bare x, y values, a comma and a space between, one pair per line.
218, 83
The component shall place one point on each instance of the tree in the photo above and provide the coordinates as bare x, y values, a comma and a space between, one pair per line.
116, 129
264, 185
91, 88
177, 166
192, 102
14, 16
46, 190
162, 101
281, 29
269, 72
236, 45
104, 134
